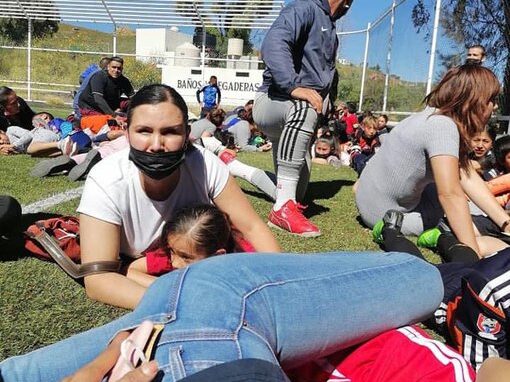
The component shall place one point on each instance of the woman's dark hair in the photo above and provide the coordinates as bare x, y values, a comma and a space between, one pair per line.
5, 92
463, 95
154, 94
501, 148
492, 130
207, 227
216, 115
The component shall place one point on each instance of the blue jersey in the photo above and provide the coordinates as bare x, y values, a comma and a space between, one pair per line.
475, 311
210, 94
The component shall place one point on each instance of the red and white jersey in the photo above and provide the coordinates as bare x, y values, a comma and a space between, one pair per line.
407, 354
476, 307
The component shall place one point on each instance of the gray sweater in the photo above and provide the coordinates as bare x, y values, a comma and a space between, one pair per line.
201, 126
242, 134
397, 175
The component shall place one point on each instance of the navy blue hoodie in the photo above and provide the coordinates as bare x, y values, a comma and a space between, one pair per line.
299, 49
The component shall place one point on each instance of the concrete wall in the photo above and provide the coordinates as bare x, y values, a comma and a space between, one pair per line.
237, 86
158, 41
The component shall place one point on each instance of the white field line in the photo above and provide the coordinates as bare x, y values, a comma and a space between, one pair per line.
43, 204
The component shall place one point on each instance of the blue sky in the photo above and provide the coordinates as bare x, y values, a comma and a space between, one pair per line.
409, 50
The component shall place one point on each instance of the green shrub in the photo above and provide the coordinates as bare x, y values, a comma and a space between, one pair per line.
141, 73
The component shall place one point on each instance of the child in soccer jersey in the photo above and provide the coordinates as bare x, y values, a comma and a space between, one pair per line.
475, 311
194, 234
406, 354
365, 144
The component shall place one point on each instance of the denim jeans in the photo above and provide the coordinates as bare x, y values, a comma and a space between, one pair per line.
283, 308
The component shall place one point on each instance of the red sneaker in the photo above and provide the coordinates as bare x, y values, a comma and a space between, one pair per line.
290, 218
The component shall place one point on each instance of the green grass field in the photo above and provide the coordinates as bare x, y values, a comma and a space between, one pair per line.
39, 304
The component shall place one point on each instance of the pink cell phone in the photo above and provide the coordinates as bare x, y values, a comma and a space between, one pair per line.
132, 351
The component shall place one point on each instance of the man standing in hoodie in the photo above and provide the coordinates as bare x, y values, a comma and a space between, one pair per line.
300, 53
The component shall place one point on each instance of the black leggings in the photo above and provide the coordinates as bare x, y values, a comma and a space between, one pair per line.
448, 247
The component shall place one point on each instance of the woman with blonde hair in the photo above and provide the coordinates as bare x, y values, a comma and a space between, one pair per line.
422, 172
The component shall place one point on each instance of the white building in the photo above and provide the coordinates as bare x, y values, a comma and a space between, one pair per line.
180, 63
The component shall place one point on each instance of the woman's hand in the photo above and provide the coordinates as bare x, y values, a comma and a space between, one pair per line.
7, 149
96, 370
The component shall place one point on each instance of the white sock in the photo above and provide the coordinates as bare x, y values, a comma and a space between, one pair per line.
285, 190
254, 175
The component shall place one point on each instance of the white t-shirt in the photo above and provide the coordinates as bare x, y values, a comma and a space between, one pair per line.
113, 193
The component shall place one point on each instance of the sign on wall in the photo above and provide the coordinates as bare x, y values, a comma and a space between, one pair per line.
237, 85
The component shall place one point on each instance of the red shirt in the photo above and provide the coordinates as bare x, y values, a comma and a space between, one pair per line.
350, 121
407, 354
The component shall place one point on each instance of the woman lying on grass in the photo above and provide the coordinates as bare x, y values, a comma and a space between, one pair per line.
130, 195
286, 309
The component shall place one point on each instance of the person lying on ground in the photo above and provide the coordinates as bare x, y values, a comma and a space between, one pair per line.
207, 126
238, 306
474, 313
47, 138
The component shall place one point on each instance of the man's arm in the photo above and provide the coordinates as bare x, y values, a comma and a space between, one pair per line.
128, 88
279, 44
277, 51
218, 94
102, 104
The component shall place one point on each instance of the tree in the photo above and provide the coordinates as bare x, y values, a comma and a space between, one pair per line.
16, 30
485, 22
225, 13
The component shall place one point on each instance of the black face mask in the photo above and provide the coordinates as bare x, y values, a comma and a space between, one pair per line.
157, 165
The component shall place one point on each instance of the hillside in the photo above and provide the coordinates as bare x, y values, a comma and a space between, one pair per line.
64, 68
402, 95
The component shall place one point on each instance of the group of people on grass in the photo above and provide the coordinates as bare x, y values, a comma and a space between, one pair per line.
171, 207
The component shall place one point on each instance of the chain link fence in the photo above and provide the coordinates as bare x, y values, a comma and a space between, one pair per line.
395, 61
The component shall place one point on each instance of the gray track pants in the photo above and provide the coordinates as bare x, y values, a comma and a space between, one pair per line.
290, 124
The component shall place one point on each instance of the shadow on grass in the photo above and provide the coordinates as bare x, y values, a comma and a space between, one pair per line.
257, 194
316, 190
313, 209
325, 189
